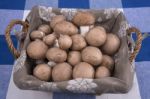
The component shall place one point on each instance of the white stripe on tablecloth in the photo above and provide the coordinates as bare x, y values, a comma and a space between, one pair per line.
49, 3
132, 94
138, 17
6, 16
96, 4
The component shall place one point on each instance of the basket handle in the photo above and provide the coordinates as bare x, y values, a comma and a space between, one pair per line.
14, 51
138, 42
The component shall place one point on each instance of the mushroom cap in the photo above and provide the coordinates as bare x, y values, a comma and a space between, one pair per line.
49, 39
78, 42
96, 36
37, 49
57, 19
74, 57
37, 35
62, 72
83, 70
111, 45
92, 55
66, 28
64, 42
101, 72
108, 62
45, 28
56, 54
42, 72
83, 18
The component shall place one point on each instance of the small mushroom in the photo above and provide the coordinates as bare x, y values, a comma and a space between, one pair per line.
78, 42
42, 72
57, 19
74, 57
62, 72
96, 36
83, 70
45, 28
37, 35
108, 62
101, 72
64, 42
37, 49
92, 55
56, 54
66, 28
49, 39
111, 45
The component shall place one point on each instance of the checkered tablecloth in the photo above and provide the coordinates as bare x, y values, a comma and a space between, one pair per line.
137, 13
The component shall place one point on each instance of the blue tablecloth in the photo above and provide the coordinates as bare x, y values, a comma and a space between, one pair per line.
137, 13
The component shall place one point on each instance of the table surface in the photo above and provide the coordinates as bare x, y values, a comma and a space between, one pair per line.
137, 13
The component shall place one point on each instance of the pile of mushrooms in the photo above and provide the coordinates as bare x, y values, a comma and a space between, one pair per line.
64, 50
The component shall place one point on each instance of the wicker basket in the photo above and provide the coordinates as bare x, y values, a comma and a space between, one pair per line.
120, 82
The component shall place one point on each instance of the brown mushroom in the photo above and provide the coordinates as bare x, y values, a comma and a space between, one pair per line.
56, 54
101, 72
111, 45
83, 70
96, 36
108, 62
45, 28
37, 35
49, 39
57, 19
37, 49
66, 28
83, 18
74, 57
61, 72
64, 42
78, 42
42, 72
92, 55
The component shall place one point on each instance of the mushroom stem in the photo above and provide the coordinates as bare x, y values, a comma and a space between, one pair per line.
56, 43
51, 63
85, 29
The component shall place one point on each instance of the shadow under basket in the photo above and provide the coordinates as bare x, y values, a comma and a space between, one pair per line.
113, 20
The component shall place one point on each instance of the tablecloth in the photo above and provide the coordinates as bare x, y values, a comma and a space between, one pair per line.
137, 13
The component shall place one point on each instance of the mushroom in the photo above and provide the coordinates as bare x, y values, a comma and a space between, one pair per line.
111, 45
42, 72
101, 72
50, 39
62, 72
45, 28
83, 70
92, 55
84, 20
64, 42
96, 36
37, 49
108, 62
56, 54
37, 35
78, 42
66, 28
74, 57
57, 19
